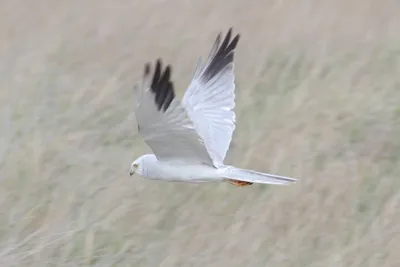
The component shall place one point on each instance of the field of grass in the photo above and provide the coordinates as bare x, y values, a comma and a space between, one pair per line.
318, 98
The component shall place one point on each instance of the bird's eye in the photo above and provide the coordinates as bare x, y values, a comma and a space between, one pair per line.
135, 165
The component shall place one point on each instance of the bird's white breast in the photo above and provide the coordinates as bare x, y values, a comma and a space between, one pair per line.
179, 171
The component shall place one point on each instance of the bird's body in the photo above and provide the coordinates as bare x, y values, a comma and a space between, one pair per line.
190, 139
177, 170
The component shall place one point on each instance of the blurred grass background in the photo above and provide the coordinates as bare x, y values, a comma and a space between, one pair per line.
318, 98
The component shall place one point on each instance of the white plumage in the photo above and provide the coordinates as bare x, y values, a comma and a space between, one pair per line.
190, 139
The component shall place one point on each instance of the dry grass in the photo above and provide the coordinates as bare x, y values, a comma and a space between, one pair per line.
318, 98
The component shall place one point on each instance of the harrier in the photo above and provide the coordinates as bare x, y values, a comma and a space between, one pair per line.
190, 138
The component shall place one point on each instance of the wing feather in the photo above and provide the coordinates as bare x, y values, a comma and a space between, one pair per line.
162, 121
210, 98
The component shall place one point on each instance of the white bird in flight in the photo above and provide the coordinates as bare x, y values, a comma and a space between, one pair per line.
190, 138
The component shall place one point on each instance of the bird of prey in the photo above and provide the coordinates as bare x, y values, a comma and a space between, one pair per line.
190, 138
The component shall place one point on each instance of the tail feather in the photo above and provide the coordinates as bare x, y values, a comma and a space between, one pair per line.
256, 177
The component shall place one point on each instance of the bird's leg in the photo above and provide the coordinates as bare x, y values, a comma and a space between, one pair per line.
239, 183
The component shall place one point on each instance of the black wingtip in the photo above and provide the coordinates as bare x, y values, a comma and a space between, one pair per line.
235, 39
229, 33
167, 73
162, 86
227, 38
158, 63
147, 69
234, 42
223, 56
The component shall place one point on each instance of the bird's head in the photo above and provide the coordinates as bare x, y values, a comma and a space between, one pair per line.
134, 167
138, 166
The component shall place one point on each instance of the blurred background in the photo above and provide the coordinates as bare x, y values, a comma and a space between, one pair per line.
318, 98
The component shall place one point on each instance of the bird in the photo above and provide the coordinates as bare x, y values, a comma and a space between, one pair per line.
190, 138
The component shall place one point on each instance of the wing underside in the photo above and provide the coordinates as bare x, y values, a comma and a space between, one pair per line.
164, 123
210, 98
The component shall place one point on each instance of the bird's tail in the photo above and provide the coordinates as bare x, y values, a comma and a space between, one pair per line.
250, 176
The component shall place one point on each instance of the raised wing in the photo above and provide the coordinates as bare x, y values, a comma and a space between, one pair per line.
210, 98
164, 123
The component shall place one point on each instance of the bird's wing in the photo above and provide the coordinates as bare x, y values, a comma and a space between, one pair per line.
164, 123
210, 98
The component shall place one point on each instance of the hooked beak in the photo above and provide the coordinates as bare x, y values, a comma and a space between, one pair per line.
133, 170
